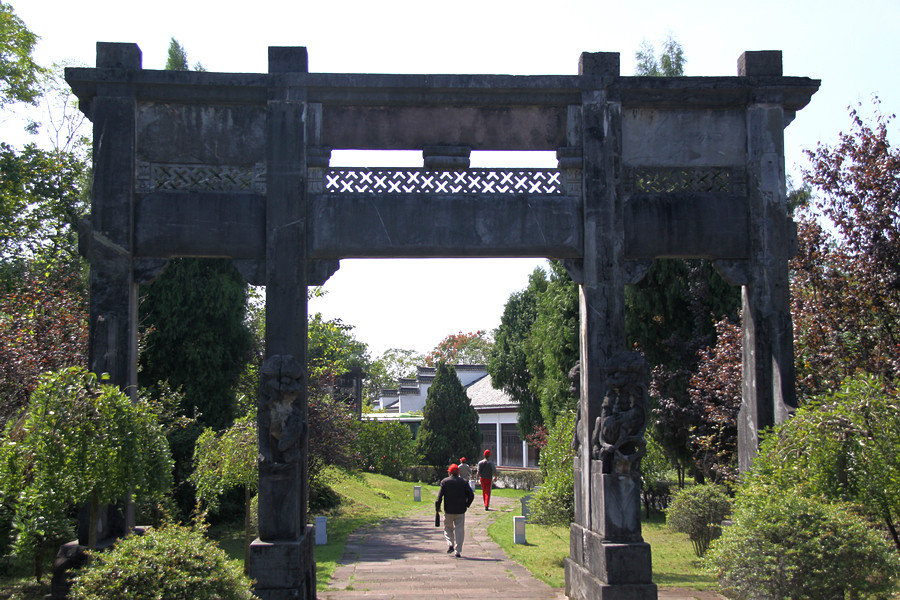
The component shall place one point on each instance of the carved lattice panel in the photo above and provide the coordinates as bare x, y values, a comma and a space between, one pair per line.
470, 181
684, 179
201, 178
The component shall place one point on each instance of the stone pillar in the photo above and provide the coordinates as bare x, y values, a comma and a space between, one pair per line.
608, 559
768, 351
281, 559
106, 240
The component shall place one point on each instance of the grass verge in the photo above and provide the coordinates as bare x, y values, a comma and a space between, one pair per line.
674, 563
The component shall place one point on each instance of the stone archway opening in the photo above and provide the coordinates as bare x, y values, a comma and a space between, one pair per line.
239, 166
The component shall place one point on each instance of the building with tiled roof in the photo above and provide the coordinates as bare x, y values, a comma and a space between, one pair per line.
497, 412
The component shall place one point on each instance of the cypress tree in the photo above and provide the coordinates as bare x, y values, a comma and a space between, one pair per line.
449, 427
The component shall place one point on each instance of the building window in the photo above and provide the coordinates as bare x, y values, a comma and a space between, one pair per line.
489, 439
512, 445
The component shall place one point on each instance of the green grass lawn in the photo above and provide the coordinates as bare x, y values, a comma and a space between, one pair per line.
674, 563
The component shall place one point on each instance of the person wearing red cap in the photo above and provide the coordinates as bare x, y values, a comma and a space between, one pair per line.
457, 497
485, 472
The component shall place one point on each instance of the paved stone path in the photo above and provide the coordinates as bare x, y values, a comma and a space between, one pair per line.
406, 559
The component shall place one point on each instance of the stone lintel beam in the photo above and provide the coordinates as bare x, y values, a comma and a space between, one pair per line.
450, 158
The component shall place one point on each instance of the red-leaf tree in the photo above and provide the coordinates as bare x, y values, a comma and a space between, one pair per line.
473, 348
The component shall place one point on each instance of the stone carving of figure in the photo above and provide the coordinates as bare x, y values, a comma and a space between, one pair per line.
618, 436
281, 383
575, 390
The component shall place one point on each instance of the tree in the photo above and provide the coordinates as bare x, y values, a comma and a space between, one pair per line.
698, 511
228, 460
846, 278
43, 327
386, 447
177, 58
79, 442
554, 503
196, 338
552, 348
19, 74
473, 348
449, 423
669, 64
508, 363
843, 446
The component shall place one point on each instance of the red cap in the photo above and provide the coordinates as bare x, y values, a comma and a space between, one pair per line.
453, 469
487, 452
463, 459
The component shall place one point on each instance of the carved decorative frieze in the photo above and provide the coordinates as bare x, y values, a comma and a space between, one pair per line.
151, 177
662, 180
419, 181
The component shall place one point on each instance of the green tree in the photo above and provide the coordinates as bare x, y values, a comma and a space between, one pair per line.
508, 363
698, 511
843, 446
386, 447
552, 348
228, 460
80, 442
177, 58
19, 74
449, 423
670, 62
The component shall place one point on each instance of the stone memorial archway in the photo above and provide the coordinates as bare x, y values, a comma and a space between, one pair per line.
237, 166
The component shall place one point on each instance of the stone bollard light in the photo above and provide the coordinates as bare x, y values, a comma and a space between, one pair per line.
518, 530
417, 493
321, 531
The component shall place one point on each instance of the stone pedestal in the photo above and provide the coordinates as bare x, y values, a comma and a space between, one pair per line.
607, 570
286, 568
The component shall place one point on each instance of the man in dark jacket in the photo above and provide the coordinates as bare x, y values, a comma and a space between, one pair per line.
457, 497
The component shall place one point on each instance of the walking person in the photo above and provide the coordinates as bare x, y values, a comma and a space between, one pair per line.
457, 497
465, 473
485, 472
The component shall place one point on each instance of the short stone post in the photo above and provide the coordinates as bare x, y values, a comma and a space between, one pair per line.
417, 493
525, 500
518, 530
321, 531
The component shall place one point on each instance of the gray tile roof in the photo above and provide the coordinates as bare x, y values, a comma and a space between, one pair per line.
482, 395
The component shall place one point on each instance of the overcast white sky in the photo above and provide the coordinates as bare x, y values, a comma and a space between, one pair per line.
851, 47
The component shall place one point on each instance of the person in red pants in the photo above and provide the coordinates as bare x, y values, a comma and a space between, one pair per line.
485, 472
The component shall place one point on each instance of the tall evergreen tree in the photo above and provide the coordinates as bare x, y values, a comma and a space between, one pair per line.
196, 338
449, 427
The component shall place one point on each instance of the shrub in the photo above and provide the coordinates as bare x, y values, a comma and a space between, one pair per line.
386, 447
783, 545
699, 511
424, 473
518, 480
554, 503
174, 562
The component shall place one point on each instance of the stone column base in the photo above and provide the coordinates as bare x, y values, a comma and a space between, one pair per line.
603, 570
284, 570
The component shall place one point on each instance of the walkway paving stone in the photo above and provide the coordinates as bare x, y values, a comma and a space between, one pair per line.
406, 559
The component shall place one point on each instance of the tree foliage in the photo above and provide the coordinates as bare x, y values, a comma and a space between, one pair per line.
43, 327
79, 442
386, 447
552, 346
554, 503
508, 362
19, 74
42, 197
846, 277
669, 63
843, 446
698, 511
473, 348
449, 423
176, 562
784, 545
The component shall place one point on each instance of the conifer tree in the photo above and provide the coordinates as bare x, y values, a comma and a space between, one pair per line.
449, 428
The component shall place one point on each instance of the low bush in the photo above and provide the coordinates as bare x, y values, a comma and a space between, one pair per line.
518, 480
174, 562
699, 511
385, 447
425, 473
783, 545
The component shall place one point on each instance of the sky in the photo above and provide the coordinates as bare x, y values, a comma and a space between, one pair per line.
414, 304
